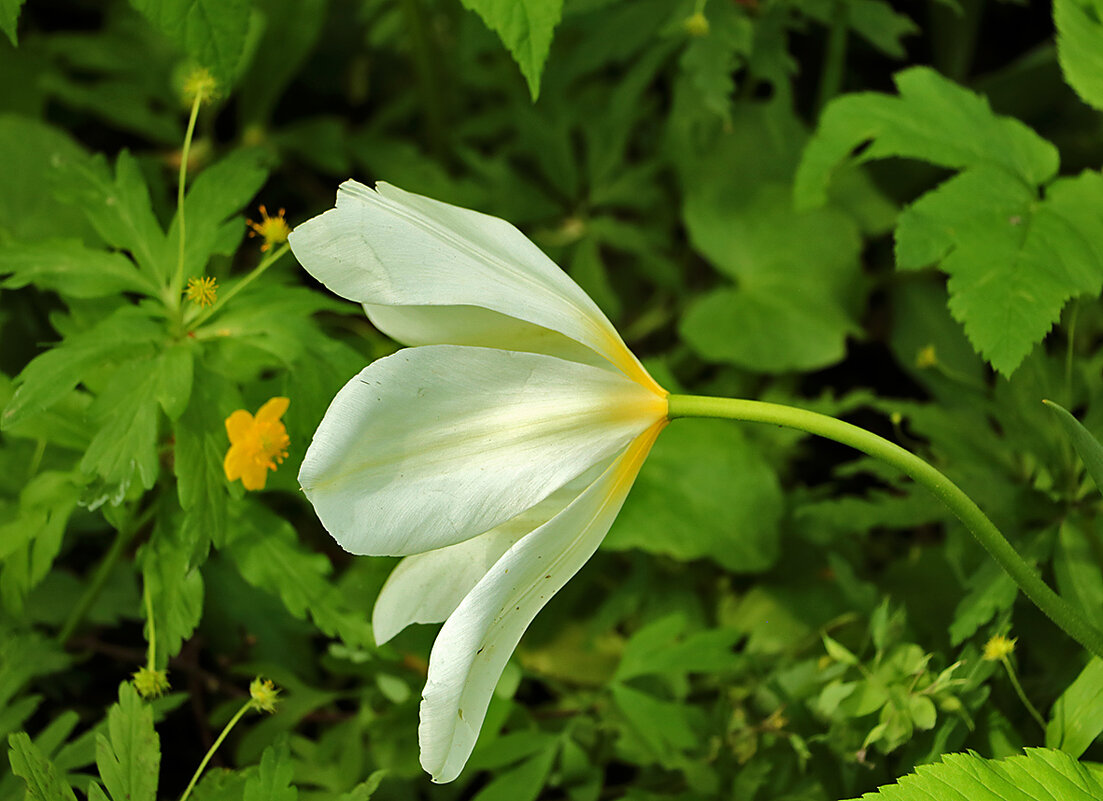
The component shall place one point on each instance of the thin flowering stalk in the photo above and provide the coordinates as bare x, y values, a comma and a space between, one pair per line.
178, 277
257, 272
1056, 608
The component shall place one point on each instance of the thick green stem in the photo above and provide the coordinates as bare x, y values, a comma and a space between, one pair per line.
1058, 610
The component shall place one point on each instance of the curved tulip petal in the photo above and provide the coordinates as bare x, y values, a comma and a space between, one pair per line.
434, 445
388, 247
427, 587
477, 640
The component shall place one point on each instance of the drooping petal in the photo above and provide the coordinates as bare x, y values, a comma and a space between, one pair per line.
387, 247
434, 445
427, 587
477, 640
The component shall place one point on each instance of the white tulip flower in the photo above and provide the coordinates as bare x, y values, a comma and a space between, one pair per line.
494, 454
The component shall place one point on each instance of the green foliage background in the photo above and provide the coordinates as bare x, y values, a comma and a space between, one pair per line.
889, 214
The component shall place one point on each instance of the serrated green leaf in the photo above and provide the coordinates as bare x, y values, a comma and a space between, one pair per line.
1013, 261
119, 208
1039, 775
1080, 47
524, 782
873, 20
1089, 448
932, 119
129, 755
44, 781
265, 549
664, 647
9, 17
70, 268
175, 587
272, 781
703, 491
213, 32
199, 449
33, 152
366, 788
55, 373
709, 62
525, 28
1077, 716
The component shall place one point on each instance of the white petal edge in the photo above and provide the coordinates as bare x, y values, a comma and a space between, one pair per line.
477, 640
389, 247
434, 445
427, 587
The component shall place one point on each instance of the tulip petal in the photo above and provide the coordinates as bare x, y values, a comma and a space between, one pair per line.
388, 247
477, 640
427, 587
434, 445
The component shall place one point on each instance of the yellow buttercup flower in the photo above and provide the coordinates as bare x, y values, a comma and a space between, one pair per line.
257, 444
273, 230
202, 291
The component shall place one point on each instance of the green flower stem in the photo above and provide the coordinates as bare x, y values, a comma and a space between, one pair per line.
151, 652
1019, 691
1058, 610
214, 747
834, 57
122, 538
267, 262
177, 285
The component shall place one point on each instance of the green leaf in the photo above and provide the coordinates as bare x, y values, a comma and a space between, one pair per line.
44, 781
129, 756
525, 28
33, 152
665, 727
703, 491
934, 120
70, 268
30, 542
664, 647
991, 591
1077, 716
213, 32
710, 61
175, 587
873, 20
267, 554
199, 449
796, 273
1039, 775
1013, 262
521, 783
366, 789
9, 16
1089, 448
1080, 47
119, 208
125, 446
55, 373
272, 781
1075, 566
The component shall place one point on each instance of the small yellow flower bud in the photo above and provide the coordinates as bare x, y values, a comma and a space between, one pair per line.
199, 85
697, 24
998, 648
264, 694
926, 357
150, 683
202, 291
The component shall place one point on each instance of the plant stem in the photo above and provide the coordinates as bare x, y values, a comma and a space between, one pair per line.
834, 56
151, 653
176, 287
1019, 691
1059, 611
122, 538
267, 262
214, 747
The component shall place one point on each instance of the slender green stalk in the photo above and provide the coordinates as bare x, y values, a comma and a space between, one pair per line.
1019, 691
267, 262
834, 56
92, 591
214, 747
151, 652
176, 287
1062, 613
